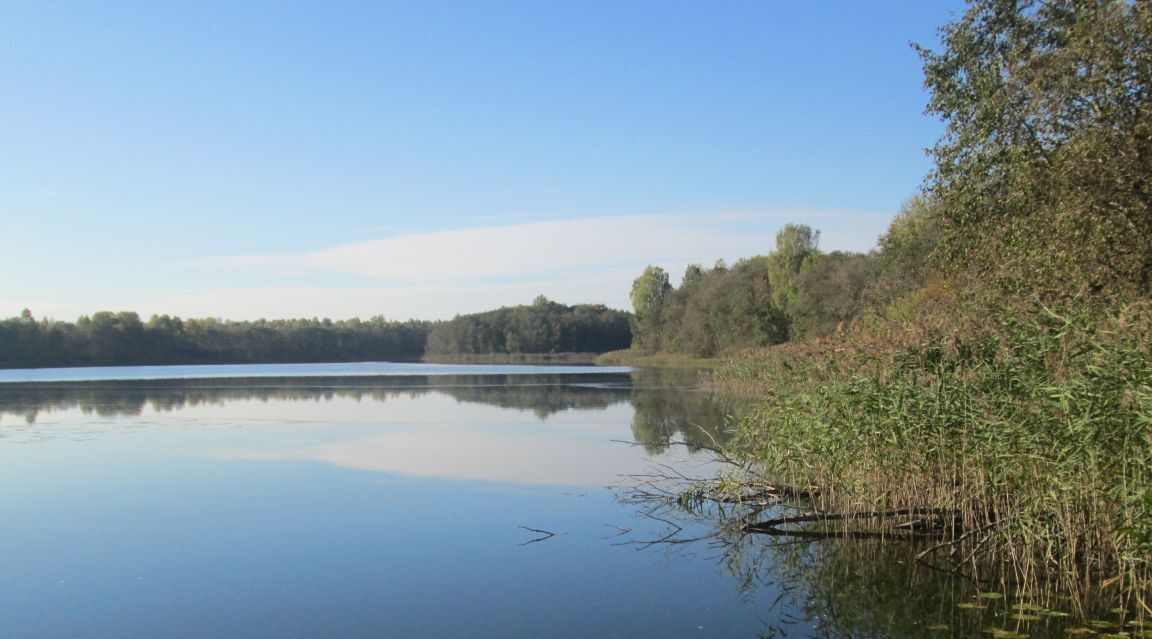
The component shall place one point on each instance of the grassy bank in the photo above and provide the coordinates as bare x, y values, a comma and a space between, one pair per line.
628, 357
1032, 430
576, 359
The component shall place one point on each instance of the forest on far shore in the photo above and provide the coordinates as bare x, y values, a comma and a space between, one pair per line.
122, 339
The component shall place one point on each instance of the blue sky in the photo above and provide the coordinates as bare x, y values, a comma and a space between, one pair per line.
422, 159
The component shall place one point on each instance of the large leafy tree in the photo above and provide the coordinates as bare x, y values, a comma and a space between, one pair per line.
1042, 177
649, 292
795, 243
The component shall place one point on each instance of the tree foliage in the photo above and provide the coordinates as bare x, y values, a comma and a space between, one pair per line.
794, 291
649, 292
1042, 187
711, 311
829, 291
1042, 178
543, 327
109, 339
906, 254
795, 243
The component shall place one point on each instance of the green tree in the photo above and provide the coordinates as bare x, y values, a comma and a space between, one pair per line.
542, 327
794, 244
693, 274
711, 312
1042, 178
829, 292
649, 292
906, 257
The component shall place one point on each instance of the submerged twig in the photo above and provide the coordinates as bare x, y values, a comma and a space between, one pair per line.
544, 534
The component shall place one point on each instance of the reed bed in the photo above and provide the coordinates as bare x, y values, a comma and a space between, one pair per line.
1031, 430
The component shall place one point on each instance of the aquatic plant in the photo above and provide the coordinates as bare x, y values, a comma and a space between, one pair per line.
1024, 440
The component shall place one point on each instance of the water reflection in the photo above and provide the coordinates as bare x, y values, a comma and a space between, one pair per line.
873, 588
243, 495
836, 586
567, 431
661, 419
854, 588
542, 394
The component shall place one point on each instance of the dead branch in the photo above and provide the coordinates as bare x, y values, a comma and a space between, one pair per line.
815, 535
622, 531
954, 542
771, 525
673, 537
544, 534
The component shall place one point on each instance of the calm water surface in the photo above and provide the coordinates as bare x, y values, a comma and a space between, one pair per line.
232, 371
292, 505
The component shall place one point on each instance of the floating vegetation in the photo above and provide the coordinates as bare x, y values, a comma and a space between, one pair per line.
1003, 633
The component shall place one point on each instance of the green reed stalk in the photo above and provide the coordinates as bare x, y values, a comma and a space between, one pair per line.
1036, 427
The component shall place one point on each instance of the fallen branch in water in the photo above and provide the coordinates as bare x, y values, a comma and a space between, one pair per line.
954, 542
673, 537
772, 525
668, 483
544, 534
815, 535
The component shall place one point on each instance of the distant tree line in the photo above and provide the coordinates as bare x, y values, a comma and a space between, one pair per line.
796, 291
542, 327
119, 339
109, 339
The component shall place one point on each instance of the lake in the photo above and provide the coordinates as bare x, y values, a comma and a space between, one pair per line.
404, 501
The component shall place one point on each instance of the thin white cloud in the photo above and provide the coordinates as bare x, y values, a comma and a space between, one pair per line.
436, 275
543, 460
545, 249
399, 302
403, 436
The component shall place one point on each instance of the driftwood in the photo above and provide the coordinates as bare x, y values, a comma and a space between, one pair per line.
772, 526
